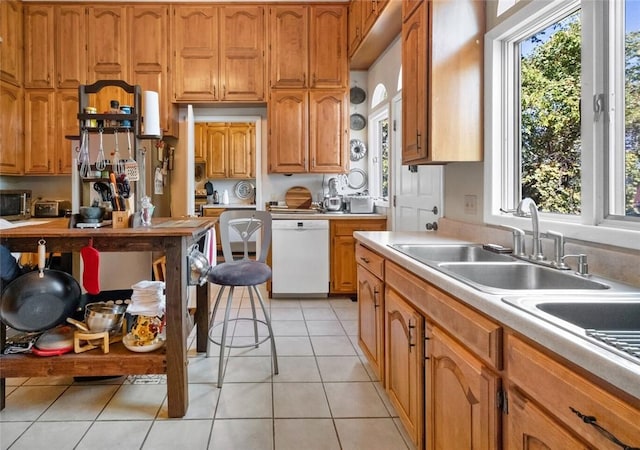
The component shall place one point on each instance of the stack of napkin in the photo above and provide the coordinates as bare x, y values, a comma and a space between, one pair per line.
148, 299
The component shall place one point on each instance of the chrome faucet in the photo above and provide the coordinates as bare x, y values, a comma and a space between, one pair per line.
528, 208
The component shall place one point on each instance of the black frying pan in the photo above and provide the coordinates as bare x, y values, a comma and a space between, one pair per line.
39, 300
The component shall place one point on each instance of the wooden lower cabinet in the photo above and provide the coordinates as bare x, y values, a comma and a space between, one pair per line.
404, 356
540, 381
215, 212
342, 252
460, 397
371, 319
529, 428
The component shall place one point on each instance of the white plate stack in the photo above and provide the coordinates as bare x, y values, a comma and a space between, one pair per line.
147, 299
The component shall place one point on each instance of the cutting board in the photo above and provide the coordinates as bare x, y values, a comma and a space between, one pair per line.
298, 197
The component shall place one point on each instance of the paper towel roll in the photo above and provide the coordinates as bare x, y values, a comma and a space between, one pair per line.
151, 114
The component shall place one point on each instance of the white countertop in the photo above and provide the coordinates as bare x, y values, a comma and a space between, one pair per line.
231, 206
605, 364
324, 216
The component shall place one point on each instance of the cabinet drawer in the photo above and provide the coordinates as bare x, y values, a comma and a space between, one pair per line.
558, 388
371, 260
347, 227
480, 334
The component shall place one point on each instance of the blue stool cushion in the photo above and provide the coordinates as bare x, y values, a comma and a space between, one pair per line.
240, 273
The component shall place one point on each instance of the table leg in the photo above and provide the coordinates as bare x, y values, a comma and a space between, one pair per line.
202, 317
3, 381
177, 326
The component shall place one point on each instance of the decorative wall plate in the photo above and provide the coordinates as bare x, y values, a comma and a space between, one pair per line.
244, 190
357, 178
357, 121
357, 95
358, 150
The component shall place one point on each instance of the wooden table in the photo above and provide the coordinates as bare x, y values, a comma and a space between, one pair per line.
173, 236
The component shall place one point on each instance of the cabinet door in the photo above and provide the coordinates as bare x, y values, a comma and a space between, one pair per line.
288, 46
216, 143
71, 51
195, 50
460, 397
107, 52
240, 151
328, 132
12, 42
39, 143
67, 125
369, 15
200, 141
149, 54
354, 26
408, 6
242, 62
414, 87
343, 273
288, 131
371, 319
328, 61
528, 428
11, 105
404, 353
39, 48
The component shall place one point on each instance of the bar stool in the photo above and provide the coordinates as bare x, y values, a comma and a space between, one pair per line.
245, 272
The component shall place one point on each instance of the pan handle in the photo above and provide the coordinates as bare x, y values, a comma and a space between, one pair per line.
42, 249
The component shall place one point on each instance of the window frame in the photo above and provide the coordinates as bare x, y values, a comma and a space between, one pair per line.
500, 133
375, 179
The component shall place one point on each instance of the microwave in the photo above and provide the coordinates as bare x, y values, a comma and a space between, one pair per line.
15, 204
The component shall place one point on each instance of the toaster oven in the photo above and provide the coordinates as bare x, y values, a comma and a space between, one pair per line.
15, 204
51, 208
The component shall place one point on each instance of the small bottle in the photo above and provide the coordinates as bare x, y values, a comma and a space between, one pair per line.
114, 109
216, 198
225, 197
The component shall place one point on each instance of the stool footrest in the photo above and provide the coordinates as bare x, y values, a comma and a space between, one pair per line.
254, 344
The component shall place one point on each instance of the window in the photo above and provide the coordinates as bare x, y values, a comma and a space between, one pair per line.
563, 118
379, 154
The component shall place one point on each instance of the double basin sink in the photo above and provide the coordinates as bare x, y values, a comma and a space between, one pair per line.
603, 311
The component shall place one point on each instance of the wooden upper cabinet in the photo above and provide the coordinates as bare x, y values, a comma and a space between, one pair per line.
70, 50
414, 98
216, 143
288, 46
242, 59
11, 47
39, 143
149, 56
328, 135
288, 131
408, 6
195, 52
328, 62
241, 151
354, 26
11, 105
55, 53
442, 106
369, 14
67, 125
107, 50
39, 44
219, 53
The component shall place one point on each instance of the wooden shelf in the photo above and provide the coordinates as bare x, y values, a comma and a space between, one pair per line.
119, 361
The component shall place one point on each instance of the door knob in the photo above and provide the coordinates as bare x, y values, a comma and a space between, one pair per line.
434, 210
432, 226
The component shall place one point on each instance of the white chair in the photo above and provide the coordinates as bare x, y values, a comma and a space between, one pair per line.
241, 270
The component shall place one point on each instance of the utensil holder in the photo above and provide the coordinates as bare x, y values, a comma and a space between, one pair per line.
120, 219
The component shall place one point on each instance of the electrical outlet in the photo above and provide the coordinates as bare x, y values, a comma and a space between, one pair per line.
470, 204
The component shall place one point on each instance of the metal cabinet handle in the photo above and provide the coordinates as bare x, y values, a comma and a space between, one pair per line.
418, 139
411, 343
375, 297
365, 259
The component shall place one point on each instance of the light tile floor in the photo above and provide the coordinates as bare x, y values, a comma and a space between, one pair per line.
325, 397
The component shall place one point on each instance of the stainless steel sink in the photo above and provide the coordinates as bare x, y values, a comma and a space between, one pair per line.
500, 277
452, 253
597, 315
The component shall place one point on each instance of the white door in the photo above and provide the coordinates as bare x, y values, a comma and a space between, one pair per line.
417, 195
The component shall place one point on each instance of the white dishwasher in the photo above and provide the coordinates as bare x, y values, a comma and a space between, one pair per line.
300, 258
